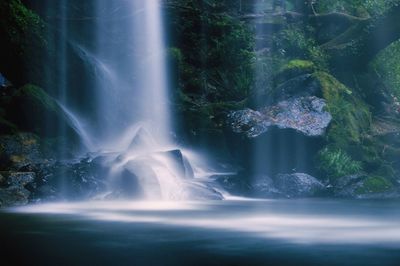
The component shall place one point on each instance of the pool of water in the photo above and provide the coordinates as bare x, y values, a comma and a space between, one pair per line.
230, 232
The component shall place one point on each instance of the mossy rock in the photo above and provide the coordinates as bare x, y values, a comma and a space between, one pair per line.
23, 43
364, 186
39, 97
31, 109
351, 115
374, 184
294, 68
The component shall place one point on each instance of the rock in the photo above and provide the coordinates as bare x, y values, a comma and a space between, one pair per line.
66, 180
234, 184
298, 185
363, 187
33, 110
180, 163
264, 186
2, 180
298, 86
13, 189
125, 186
20, 178
304, 114
13, 196
19, 150
146, 178
198, 191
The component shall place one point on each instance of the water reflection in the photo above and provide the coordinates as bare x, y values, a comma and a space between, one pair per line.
299, 222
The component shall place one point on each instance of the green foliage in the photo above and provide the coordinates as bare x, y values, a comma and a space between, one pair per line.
387, 65
374, 184
337, 163
23, 42
299, 64
355, 7
351, 116
216, 49
23, 26
294, 68
295, 42
39, 96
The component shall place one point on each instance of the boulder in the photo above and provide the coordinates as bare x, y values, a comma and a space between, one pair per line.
264, 187
13, 196
74, 180
125, 185
298, 86
298, 185
145, 177
31, 109
180, 163
19, 179
19, 150
197, 191
235, 184
14, 188
362, 186
303, 114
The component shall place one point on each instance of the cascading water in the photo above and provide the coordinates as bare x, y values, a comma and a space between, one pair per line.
130, 127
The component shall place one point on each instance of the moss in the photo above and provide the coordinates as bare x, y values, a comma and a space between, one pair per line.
293, 69
33, 110
39, 96
351, 116
374, 184
304, 65
23, 42
387, 66
296, 41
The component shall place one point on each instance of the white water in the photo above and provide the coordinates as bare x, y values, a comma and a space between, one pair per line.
131, 126
301, 221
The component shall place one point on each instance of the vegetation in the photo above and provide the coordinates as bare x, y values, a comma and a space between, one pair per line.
23, 43
230, 55
337, 163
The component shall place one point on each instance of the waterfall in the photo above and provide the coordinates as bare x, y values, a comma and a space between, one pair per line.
129, 128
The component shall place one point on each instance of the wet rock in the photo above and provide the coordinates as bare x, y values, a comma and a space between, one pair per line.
19, 150
235, 184
146, 178
14, 196
125, 186
298, 86
264, 186
19, 179
198, 191
66, 180
13, 188
181, 163
33, 110
303, 114
298, 185
364, 187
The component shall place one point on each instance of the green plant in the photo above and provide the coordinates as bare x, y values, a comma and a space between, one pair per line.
296, 42
336, 163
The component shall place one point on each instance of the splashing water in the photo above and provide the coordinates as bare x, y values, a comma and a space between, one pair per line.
131, 130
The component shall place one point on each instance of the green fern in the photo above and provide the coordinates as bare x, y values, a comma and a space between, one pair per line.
337, 163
